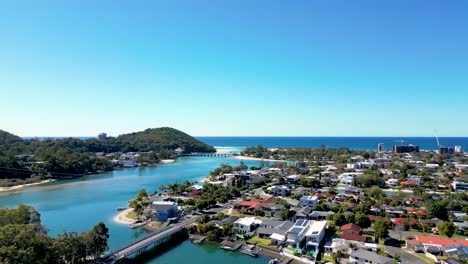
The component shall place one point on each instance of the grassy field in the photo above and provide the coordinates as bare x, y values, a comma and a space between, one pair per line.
328, 259
158, 224
260, 241
132, 215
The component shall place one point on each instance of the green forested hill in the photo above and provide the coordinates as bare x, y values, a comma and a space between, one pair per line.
163, 138
8, 138
76, 156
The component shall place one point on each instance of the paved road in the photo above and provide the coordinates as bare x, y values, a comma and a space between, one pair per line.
405, 257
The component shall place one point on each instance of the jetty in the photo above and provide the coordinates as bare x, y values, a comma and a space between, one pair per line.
231, 245
250, 250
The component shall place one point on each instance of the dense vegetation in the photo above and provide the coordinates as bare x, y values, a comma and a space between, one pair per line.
24, 240
58, 158
316, 155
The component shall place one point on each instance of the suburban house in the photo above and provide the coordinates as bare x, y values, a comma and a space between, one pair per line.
246, 225
296, 234
361, 256
351, 229
319, 215
293, 178
274, 230
280, 190
434, 244
271, 209
164, 210
310, 201
314, 236
345, 246
303, 212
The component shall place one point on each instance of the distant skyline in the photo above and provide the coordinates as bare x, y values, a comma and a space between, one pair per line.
234, 68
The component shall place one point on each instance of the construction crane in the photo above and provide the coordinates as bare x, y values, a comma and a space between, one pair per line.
437, 138
401, 141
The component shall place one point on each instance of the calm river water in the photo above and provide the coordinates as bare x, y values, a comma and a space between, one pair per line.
77, 205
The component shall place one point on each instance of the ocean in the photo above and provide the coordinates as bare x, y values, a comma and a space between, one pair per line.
357, 143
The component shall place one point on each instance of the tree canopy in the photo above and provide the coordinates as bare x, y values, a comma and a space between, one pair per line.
24, 240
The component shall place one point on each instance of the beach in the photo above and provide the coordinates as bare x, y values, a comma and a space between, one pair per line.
16, 187
122, 219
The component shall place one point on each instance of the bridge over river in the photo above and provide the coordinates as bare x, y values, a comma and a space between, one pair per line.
224, 155
147, 242
150, 240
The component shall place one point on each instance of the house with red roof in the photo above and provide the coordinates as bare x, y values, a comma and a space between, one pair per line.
434, 241
408, 183
353, 237
351, 229
400, 221
255, 203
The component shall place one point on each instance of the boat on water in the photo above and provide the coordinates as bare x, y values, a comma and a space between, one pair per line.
121, 208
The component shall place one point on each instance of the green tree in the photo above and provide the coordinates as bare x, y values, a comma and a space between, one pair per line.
362, 220
339, 219
380, 229
447, 229
439, 209
97, 239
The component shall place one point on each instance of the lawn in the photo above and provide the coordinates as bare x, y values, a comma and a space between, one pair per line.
132, 215
328, 259
158, 224
260, 241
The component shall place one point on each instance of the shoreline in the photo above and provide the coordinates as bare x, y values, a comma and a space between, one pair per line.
121, 218
21, 186
257, 159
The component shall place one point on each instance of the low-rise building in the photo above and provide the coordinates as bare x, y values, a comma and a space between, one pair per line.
459, 186
296, 234
310, 201
246, 225
280, 190
314, 236
361, 256
164, 210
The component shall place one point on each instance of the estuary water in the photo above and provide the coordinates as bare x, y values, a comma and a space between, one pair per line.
77, 205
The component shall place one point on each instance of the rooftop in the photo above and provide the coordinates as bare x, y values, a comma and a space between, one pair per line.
316, 227
370, 256
440, 241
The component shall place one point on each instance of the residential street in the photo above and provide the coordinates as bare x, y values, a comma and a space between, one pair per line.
405, 257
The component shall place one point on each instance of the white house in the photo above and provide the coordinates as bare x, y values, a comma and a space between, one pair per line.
310, 201
315, 235
296, 234
246, 225
280, 190
392, 182
293, 178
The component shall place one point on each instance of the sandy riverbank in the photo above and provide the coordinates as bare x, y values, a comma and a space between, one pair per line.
259, 159
121, 218
167, 161
16, 187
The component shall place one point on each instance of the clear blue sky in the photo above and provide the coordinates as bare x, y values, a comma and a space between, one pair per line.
243, 67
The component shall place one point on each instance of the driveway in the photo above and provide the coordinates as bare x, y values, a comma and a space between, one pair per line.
405, 257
